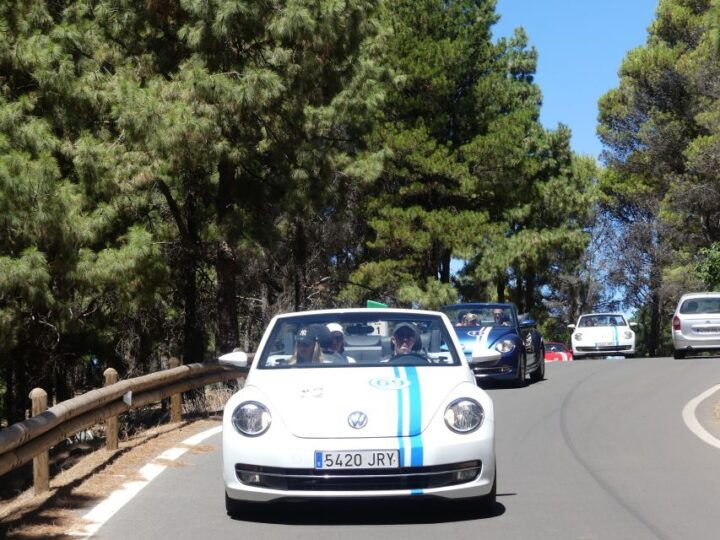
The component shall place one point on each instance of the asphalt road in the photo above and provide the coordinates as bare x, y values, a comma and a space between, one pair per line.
597, 450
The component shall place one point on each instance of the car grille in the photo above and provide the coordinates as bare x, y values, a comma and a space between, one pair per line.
605, 349
358, 480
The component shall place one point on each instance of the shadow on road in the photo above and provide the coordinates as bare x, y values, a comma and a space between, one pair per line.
362, 512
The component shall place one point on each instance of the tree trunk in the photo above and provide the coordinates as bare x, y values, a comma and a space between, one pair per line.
500, 283
445, 266
193, 331
227, 309
300, 257
655, 283
193, 335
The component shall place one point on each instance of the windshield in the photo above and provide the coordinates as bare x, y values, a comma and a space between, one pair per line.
357, 340
555, 347
601, 320
700, 305
480, 315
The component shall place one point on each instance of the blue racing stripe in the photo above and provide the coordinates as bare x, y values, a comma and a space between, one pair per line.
617, 338
401, 441
416, 446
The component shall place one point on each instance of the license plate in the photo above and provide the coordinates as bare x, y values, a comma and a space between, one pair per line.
605, 344
357, 459
707, 330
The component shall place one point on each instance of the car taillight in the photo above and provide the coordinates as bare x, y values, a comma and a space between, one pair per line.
676, 323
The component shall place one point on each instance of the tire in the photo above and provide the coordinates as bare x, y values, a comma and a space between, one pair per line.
678, 354
519, 381
539, 373
487, 502
233, 507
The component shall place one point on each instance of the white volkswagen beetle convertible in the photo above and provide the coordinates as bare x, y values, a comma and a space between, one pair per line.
358, 403
602, 334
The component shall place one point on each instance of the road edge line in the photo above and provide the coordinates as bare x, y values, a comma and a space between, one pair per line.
104, 510
691, 420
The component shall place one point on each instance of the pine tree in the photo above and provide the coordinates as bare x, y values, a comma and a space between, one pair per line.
661, 137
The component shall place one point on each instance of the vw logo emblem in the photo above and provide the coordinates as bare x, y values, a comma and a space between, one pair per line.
357, 419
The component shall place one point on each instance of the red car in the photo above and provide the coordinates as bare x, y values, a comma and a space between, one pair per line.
557, 352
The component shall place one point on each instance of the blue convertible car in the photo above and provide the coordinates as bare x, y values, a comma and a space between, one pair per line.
485, 328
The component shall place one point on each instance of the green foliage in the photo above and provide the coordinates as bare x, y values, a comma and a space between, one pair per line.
173, 174
708, 269
468, 172
660, 126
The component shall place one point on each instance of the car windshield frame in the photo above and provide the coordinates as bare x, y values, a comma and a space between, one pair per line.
597, 320
366, 349
483, 313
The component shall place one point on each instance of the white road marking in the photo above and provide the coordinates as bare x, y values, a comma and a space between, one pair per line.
99, 515
691, 420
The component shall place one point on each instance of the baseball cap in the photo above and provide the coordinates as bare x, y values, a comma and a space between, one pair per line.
408, 327
335, 327
305, 335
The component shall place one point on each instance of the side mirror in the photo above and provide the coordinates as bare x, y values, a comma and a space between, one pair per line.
571, 326
634, 324
527, 323
238, 359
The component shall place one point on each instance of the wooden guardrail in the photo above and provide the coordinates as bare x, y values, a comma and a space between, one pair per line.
33, 438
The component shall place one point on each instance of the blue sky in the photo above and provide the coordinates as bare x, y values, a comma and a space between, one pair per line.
580, 44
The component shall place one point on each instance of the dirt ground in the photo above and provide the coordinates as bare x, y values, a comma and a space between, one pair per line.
76, 490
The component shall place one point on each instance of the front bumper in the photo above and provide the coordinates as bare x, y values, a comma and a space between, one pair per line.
591, 349
504, 369
292, 465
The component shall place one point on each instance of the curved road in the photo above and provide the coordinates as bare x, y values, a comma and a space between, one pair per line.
598, 450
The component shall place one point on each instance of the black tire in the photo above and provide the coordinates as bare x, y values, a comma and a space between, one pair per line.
678, 354
519, 381
539, 373
487, 502
233, 507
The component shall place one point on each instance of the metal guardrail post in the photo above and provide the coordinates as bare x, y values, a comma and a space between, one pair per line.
111, 424
41, 462
176, 399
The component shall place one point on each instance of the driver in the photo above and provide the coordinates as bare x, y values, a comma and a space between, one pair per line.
405, 339
500, 317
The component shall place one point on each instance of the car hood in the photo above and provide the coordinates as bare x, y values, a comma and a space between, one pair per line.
470, 337
317, 403
603, 334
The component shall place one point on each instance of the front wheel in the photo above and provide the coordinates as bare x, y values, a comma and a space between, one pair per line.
520, 379
539, 373
233, 507
487, 502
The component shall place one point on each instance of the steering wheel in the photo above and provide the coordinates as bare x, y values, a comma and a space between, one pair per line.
408, 359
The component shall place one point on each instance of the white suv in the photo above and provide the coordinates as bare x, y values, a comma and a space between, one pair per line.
696, 324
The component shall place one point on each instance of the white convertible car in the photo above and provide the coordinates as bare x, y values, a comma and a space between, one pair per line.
602, 334
358, 403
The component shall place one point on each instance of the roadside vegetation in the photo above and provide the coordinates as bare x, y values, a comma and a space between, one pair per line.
173, 174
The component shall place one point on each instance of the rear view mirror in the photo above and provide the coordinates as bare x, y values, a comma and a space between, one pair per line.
528, 324
238, 359
571, 326
634, 324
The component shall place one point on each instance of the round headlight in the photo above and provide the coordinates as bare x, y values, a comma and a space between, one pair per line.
464, 415
251, 418
505, 346
578, 336
628, 334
